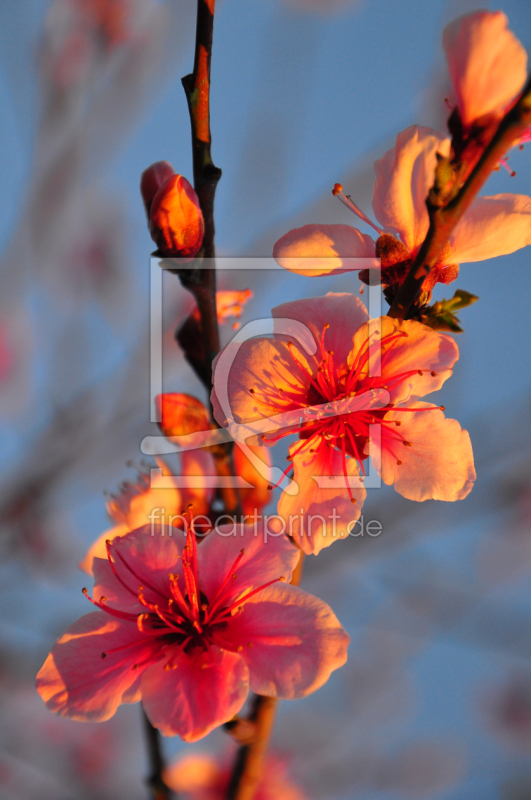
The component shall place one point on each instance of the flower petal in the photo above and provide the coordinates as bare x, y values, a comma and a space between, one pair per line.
76, 682
193, 699
265, 559
252, 500
492, 226
344, 313
265, 366
422, 350
439, 464
404, 176
317, 517
290, 640
486, 62
320, 249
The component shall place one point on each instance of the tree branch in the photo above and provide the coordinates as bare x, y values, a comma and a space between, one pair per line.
159, 790
202, 282
443, 220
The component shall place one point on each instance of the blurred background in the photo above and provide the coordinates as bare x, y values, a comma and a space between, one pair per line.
435, 700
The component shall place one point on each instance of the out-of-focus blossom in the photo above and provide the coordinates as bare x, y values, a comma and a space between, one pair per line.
16, 350
152, 179
487, 65
182, 415
189, 630
155, 499
229, 303
492, 226
176, 221
376, 372
201, 777
507, 710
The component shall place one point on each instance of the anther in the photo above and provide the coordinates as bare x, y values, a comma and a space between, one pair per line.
337, 188
103, 599
399, 463
420, 372
407, 444
352, 499
240, 648
269, 488
252, 391
282, 579
104, 655
443, 408
249, 644
433, 374
398, 424
242, 551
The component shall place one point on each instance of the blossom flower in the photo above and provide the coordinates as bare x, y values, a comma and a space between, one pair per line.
492, 226
376, 372
189, 630
200, 777
138, 503
486, 62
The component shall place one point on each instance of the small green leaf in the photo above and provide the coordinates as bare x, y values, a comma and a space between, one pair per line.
441, 315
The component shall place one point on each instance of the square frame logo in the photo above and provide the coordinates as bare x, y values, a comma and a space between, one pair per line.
292, 330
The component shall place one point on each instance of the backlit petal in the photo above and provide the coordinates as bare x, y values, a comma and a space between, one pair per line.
296, 641
492, 226
486, 62
404, 176
321, 249
202, 692
439, 464
76, 682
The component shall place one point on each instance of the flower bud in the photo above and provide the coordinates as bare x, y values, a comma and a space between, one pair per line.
176, 221
181, 414
152, 179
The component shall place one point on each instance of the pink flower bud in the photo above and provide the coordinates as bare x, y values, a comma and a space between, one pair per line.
152, 179
487, 64
176, 221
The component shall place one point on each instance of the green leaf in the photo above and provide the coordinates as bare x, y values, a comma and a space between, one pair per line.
441, 315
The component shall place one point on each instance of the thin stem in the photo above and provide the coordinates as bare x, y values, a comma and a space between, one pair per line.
443, 220
249, 766
159, 790
202, 282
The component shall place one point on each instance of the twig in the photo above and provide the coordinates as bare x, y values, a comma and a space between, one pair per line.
159, 790
443, 220
249, 765
202, 282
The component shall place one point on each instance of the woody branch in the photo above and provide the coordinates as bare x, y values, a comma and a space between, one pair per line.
443, 219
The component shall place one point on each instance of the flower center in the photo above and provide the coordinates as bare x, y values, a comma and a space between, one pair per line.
181, 617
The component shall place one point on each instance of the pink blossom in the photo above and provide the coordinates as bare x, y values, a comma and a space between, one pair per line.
132, 507
486, 62
377, 371
189, 630
492, 226
201, 777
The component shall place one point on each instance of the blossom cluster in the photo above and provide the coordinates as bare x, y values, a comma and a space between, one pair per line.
189, 621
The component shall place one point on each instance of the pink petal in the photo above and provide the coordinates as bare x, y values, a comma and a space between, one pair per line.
317, 517
199, 463
152, 555
99, 548
193, 699
439, 465
492, 226
344, 313
265, 558
296, 641
263, 365
76, 682
422, 349
320, 249
404, 176
486, 62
